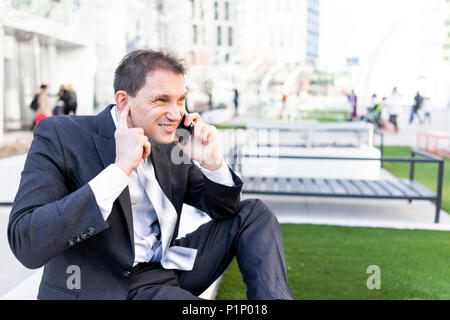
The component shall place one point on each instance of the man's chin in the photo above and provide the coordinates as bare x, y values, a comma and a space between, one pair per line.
164, 140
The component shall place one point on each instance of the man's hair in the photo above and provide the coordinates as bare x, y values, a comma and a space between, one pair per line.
132, 70
43, 86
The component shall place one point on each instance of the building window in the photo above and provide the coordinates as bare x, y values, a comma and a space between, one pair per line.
230, 36
227, 10
195, 34
216, 10
219, 36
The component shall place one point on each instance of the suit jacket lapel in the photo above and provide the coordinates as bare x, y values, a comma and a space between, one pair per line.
106, 149
160, 162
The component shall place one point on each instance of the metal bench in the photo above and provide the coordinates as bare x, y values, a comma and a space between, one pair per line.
396, 188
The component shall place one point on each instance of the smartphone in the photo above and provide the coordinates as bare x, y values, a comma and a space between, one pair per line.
184, 132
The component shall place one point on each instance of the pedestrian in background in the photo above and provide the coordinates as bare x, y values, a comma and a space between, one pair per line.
34, 106
70, 100
418, 100
372, 105
210, 100
394, 108
43, 111
426, 108
353, 99
378, 111
283, 101
60, 104
236, 102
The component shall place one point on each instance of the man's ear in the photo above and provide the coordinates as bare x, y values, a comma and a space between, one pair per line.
121, 98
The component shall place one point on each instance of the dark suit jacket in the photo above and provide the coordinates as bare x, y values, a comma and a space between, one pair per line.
55, 220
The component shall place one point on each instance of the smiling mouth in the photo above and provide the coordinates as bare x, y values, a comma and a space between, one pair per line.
167, 128
166, 125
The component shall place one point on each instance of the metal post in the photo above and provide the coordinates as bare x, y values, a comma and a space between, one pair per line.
439, 191
411, 170
382, 147
380, 133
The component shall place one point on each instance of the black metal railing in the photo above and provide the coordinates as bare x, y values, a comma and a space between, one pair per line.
426, 157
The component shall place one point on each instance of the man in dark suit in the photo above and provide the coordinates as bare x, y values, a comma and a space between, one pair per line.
100, 199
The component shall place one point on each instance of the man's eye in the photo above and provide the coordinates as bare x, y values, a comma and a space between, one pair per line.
160, 100
182, 99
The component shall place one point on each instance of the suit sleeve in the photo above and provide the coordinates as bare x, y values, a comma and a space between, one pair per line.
217, 200
48, 216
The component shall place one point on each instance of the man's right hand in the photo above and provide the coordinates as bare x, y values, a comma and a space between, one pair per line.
131, 144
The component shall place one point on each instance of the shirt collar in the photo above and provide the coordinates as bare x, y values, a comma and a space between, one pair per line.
113, 115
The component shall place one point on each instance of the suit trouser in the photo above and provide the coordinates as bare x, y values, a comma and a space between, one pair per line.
253, 236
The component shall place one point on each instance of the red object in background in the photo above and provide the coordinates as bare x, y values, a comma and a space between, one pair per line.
429, 141
40, 116
284, 98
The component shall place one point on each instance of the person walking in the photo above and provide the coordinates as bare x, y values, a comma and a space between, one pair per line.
426, 108
236, 102
70, 100
283, 101
60, 104
353, 99
43, 111
394, 108
418, 100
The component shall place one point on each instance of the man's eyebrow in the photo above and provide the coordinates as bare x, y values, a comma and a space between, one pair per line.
166, 96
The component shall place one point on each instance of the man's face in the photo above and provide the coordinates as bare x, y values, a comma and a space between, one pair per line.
159, 105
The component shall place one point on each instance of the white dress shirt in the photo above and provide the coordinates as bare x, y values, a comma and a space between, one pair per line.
110, 183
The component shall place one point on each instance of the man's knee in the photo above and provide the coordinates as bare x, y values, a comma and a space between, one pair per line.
256, 209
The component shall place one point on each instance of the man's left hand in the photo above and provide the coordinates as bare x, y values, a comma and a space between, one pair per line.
203, 146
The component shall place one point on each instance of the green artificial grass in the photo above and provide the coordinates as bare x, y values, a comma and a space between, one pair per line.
325, 115
225, 127
425, 173
330, 262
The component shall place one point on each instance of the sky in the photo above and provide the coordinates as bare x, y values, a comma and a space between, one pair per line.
351, 27
398, 43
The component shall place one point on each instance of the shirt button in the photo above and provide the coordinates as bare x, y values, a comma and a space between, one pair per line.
127, 274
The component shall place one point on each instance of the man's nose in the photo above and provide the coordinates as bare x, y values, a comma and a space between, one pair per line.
174, 113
